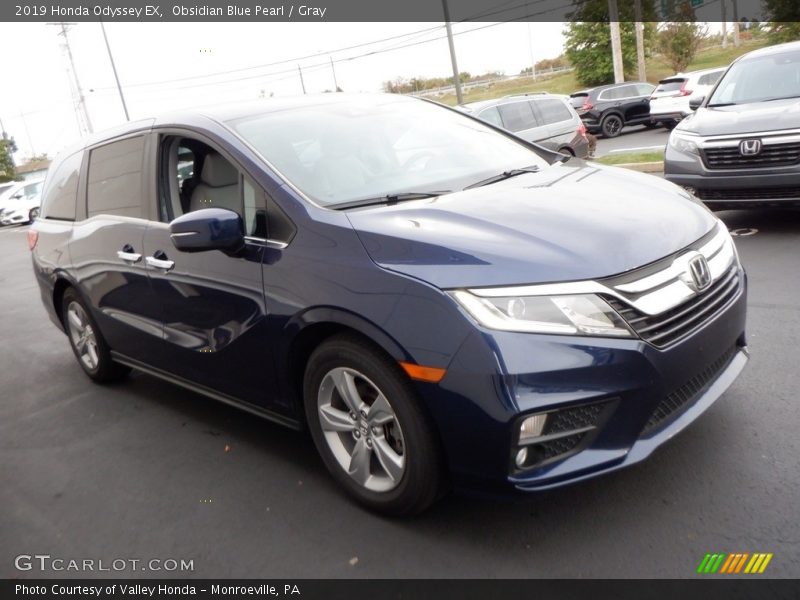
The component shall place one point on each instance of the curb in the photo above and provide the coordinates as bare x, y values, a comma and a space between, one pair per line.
646, 167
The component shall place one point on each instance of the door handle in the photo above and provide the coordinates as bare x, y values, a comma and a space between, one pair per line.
128, 255
160, 263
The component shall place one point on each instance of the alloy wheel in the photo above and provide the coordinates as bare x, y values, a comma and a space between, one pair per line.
361, 429
82, 336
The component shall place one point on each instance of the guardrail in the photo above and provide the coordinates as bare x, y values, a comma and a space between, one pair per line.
440, 91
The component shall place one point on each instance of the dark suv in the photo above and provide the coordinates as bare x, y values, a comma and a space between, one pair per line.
742, 146
438, 301
609, 108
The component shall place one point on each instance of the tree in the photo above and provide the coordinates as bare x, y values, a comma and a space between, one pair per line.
588, 40
680, 40
7, 170
784, 20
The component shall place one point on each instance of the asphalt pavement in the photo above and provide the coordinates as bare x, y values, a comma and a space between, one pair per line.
637, 138
143, 470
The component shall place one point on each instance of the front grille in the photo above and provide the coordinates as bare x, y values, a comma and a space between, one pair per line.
771, 155
686, 394
776, 193
672, 325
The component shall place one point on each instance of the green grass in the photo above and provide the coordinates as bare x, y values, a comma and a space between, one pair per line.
565, 83
622, 158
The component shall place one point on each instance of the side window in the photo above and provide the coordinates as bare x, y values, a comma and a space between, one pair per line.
553, 111
610, 94
31, 191
195, 176
61, 189
114, 184
709, 78
517, 116
644, 89
491, 115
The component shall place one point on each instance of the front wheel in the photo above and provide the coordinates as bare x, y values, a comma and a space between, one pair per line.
611, 126
33, 215
370, 429
87, 342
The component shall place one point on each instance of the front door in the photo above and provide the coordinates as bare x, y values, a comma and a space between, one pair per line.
214, 317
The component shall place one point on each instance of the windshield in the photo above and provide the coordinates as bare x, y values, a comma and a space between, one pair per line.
760, 78
344, 151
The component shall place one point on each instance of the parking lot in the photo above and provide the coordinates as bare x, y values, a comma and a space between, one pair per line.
146, 470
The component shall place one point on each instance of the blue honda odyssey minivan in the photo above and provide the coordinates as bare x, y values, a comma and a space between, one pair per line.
440, 303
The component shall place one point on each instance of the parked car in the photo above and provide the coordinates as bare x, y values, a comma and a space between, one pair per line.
669, 103
20, 203
741, 148
609, 108
403, 280
544, 119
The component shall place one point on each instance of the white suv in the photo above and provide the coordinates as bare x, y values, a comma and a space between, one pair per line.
669, 103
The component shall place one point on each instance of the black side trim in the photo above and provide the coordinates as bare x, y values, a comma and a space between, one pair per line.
208, 392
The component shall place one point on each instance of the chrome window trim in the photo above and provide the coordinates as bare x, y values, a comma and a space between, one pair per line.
651, 295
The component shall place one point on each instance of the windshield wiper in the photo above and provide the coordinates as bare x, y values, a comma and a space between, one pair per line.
503, 176
390, 199
721, 104
781, 98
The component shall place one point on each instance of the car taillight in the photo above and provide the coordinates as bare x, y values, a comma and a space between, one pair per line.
582, 130
684, 91
587, 105
33, 237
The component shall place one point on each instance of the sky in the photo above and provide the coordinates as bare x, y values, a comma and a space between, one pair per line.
158, 65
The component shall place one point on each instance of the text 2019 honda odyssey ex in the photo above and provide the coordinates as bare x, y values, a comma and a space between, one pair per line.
439, 302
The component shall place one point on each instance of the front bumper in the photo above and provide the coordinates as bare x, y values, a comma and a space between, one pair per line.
539, 373
733, 188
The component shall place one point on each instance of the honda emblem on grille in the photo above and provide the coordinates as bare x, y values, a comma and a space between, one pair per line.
749, 147
700, 273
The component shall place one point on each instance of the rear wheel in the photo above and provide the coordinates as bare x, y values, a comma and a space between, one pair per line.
670, 125
611, 126
369, 428
87, 342
33, 214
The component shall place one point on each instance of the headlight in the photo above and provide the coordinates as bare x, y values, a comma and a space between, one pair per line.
578, 314
683, 142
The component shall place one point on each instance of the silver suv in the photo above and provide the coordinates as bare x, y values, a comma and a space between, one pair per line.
741, 147
545, 119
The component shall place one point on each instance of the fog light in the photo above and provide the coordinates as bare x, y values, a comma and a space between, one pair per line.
522, 456
532, 427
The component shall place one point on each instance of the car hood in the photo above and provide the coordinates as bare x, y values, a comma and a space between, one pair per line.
744, 118
569, 222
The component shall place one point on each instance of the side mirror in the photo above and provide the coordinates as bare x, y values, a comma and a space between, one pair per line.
694, 103
17, 196
208, 229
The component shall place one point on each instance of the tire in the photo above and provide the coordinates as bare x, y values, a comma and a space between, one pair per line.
651, 124
611, 126
670, 125
33, 214
401, 471
87, 341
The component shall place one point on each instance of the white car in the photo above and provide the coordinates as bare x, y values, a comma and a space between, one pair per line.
669, 102
20, 203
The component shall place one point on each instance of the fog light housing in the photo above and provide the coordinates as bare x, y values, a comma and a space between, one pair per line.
521, 458
532, 427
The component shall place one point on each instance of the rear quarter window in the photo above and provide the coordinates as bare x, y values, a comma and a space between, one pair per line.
114, 184
709, 78
61, 189
553, 111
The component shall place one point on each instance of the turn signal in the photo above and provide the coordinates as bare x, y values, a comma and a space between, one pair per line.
420, 373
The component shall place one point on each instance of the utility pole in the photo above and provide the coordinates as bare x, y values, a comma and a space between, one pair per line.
616, 42
333, 70
736, 41
303, 83
530, 49
724, 24
81, 99
456, 78
637, 8
116, 77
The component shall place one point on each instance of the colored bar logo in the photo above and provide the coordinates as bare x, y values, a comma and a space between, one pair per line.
737, 562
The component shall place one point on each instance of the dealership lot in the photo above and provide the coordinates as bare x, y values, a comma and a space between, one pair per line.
144, 470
